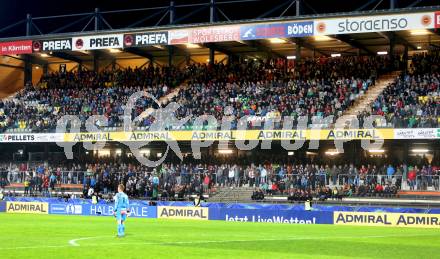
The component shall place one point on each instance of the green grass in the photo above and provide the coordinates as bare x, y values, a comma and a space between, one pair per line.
48, 236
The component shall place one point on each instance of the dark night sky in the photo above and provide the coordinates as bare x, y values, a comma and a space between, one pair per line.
15, 10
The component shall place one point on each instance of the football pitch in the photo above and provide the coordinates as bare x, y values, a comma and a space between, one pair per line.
50, 236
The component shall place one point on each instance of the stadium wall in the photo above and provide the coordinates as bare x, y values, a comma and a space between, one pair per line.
11, 76
264, 213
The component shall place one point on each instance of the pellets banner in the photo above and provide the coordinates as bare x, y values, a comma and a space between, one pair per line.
415, 220
271, 216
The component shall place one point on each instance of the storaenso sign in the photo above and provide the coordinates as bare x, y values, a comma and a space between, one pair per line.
375, 23
372, 25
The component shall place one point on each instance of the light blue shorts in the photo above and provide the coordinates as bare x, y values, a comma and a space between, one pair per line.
121, 215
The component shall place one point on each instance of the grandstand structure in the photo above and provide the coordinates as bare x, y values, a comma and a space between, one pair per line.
350, 65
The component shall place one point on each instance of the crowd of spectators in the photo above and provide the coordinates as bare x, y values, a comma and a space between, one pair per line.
313, 88
181, 180
272, 88
413, 100
37, 108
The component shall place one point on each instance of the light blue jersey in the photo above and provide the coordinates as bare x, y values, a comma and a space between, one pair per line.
121, 202
121, 210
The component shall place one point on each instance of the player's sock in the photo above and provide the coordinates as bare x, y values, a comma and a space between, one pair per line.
119, 229
123, 229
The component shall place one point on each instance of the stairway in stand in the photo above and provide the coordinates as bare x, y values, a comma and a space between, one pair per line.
364, 102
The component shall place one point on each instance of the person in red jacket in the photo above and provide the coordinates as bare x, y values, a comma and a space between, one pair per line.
412, 178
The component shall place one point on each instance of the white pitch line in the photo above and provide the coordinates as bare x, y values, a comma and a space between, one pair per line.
73, 242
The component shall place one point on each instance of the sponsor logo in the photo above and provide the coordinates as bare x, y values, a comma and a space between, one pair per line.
299, 29
98, 42
73, 209
27, 207
79, 43
57, 45
105, 210
352, 134
36, 46
426, 20
16, 47
86, 137
263, 31
387, 219
154, 38
320, 27
215, 34
416, 133
138, 136
104, 42
179, 37
272, 219
437, 20
128, 40
369, 25
183, 212
17, 137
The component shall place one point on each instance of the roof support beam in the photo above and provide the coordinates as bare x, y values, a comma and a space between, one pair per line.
263, 48
66, 56
353, 43
34, 60
219, 49
306, 45
399, 40
140, 52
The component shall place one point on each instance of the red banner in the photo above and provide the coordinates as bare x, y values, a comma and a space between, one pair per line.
16, 47
215, 34
437, 20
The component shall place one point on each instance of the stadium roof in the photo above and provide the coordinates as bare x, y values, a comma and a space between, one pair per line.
311, 46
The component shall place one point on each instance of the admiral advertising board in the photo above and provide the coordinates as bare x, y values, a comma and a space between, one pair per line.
387, 219
174, 212
52, 45
108, 41
27, 207
375, 23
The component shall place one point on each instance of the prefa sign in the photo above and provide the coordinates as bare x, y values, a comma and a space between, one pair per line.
16, 47
375, 23
146, 39
52, 45
109, 41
